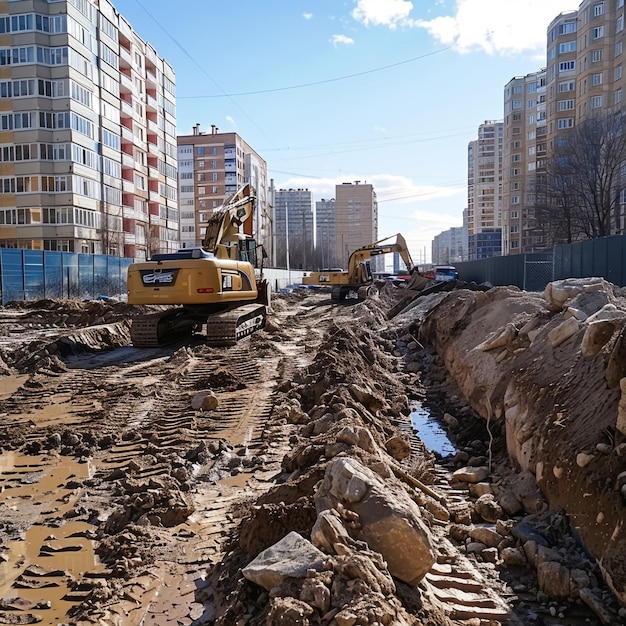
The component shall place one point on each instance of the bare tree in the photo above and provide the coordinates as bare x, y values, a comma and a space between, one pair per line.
584, 179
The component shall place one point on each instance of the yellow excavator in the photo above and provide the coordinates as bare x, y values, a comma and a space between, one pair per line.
358, 281
219, 285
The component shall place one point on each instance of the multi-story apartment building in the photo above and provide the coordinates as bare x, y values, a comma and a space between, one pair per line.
325, 234
294, 228
448, 247
87, 132
524, 159
215, 165
484, 189
356, 211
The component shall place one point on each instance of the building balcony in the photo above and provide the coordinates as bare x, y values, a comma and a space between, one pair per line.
127, 134
154, 196
151, 103
125, 58
126, 83
128, 186
126, 109
129, 239
153, 127
125, 30
129, 213
153, 148
151, 78
151, 55
128, 160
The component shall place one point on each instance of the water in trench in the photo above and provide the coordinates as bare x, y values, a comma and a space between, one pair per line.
430, 431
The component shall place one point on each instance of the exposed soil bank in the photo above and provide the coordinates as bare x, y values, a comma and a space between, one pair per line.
548, 370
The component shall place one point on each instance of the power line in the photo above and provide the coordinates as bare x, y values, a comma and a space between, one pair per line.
321, 82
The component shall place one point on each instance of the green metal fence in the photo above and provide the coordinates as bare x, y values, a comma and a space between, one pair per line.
604, 257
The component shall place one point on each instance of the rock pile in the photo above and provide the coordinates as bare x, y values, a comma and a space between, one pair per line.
342, 540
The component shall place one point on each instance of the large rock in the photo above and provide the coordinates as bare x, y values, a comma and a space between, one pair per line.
390, 522
291, 557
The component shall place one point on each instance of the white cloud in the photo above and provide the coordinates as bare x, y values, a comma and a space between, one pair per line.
403, 206
391, 13
307, 16
337, 39
495, 26
231, 120
389, 188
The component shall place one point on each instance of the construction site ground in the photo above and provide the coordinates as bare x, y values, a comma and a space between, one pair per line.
137, 483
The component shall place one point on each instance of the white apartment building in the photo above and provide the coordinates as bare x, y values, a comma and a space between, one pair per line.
88, 158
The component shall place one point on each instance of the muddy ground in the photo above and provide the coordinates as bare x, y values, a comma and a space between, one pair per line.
138, 485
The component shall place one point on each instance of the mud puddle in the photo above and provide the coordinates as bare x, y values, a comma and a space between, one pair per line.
10, 384
43, 553
429, 431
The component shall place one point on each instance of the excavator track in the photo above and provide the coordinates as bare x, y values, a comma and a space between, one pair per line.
159, 329
224, 329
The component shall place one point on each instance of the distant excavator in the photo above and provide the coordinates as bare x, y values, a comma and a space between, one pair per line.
219, 285
358, 281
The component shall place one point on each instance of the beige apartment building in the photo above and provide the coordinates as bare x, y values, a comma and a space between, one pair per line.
214, 165
524, 158
484, 192
583, 77
87, 132
356, 218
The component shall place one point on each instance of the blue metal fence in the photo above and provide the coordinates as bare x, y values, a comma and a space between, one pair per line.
36, 274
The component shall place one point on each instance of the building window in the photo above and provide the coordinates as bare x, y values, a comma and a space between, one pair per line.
201, 163
598, 9
617, 75
596, 79
619, 24
596, 56
598, 32
200, 151
566, 122
618, 48
618, 96
564, 105
596, 102
567, 66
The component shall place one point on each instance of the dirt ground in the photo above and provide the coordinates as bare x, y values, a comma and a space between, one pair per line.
138, 484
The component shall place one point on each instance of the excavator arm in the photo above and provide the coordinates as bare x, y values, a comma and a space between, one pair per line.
360, 256
225, 224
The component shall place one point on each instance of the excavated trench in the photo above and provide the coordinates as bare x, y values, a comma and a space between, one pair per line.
126, 502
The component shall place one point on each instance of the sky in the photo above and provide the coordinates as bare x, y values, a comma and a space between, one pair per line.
386, 92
